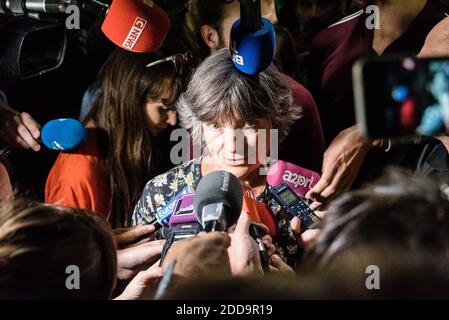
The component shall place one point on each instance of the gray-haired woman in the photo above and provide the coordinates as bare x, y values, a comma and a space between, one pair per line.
231, 115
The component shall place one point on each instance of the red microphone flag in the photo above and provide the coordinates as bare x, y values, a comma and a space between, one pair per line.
136, 25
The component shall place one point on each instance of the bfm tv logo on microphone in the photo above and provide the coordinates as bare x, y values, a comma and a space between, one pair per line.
235, 55
135, 33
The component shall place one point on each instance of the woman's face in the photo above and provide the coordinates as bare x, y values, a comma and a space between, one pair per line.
160, 116
239, 149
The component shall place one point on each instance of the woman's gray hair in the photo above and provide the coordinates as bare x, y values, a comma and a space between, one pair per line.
219, 93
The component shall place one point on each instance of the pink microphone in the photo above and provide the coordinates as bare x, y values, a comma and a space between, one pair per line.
301, 180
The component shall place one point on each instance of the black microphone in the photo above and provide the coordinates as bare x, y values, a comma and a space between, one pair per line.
218, 201
250, 15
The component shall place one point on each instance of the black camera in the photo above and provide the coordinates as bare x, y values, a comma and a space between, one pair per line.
402, 97
34, 39
35, 6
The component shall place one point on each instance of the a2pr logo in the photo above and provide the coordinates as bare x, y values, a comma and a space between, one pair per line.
297, 180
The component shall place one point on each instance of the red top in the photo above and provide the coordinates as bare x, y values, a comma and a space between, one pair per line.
78, 179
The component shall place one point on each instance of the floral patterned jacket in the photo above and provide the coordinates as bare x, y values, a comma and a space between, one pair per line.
162, 189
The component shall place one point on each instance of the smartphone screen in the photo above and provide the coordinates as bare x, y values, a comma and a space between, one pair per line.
402, 96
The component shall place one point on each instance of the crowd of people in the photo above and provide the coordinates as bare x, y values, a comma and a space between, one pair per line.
93, 210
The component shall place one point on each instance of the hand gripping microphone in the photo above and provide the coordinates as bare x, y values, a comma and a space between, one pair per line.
250, 205
183, 223
218, 201
63, 134
136, 25
253, 40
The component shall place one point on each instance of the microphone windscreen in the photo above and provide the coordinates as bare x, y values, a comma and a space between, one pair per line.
301, 180
136, 25
253, 52
63, 134
219, 187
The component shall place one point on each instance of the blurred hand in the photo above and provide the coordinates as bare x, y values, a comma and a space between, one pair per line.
269, 246
244, 252
204, 253
278, 265
136, 258
341, 165
437, 41
143, 285
125, 237
306, 238
17, 129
